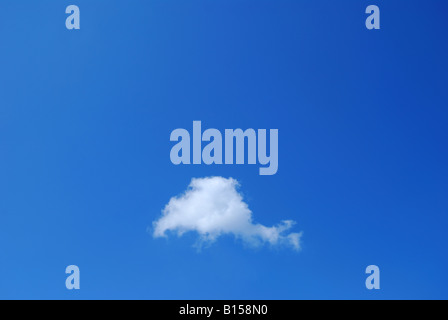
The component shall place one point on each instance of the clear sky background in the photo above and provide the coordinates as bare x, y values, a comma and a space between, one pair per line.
85, 120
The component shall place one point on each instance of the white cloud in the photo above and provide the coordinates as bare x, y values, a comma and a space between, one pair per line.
213, 207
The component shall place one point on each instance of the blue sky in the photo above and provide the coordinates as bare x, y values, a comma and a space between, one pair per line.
85, 120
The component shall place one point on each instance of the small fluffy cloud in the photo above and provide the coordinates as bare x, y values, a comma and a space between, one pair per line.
213, 207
